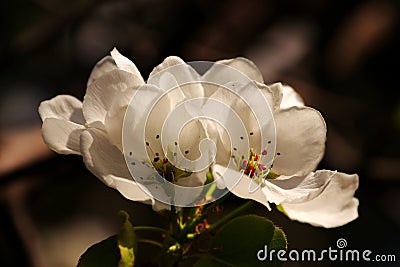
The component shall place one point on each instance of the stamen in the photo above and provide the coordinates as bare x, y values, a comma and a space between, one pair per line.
253, 168
151, 150
165, 167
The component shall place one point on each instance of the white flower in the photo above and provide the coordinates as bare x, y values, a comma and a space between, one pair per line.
92, 128
321, 198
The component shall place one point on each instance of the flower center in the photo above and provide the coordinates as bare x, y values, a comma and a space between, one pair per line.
252, 165
168, 171
165, 168
254, 169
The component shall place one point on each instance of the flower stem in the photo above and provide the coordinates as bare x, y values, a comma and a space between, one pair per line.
229, 216
211, 190
149, 241
173, 220
151, 229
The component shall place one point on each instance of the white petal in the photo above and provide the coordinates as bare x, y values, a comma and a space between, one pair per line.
101, 157
64, 107
125, 64
62, 136
250, 109
160, 206
109, 63
334, 207
174, 72
106, 64
108, 93
301, 136
189, 139
239, 184
296, 189
106, 100
167, 63
106, 162
131, 190
274, 97
113, 125
144, 122
172, 61
221, 74
290, 98
243, 190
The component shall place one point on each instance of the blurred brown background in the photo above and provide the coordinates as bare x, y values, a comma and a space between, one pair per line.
342, 56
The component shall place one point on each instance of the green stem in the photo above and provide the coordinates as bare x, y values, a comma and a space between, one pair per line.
151, 229
192, 224
173, 219
216, 203
151, 242
211, 190
194, 255
231, 215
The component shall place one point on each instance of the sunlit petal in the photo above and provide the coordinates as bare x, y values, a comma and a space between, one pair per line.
334, 207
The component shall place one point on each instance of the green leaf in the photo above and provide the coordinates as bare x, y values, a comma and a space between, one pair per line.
127, 241
239, 241
115, 251
102, 254
127, 257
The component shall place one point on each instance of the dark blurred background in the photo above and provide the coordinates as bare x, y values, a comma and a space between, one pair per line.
342, 56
